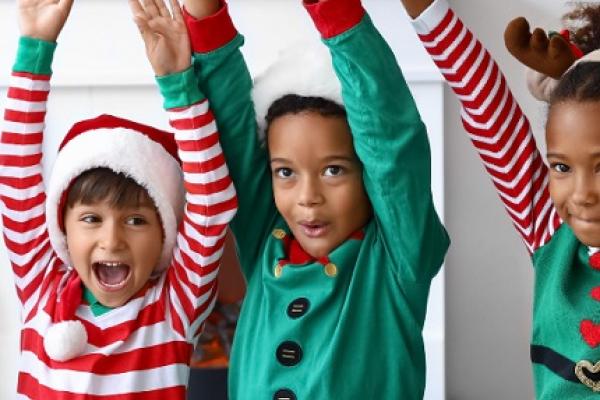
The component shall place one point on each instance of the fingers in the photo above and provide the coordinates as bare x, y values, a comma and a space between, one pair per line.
136, 8
139, 16
162, 8
177, 13
156, 8
151, 8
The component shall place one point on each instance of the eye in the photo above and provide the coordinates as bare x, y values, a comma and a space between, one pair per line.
90, 219
136, 220
560, 167
333, 170
284, 173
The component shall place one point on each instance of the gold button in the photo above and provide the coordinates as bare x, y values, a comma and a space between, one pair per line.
278, 233
331, 270
278, 270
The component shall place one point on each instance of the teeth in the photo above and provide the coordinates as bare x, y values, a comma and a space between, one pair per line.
110, 263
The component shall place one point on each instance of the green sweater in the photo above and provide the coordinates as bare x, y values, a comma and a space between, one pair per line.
304, 334
564, 298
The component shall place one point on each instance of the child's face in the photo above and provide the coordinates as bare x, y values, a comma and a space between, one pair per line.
317, 180
114, 250
573, 152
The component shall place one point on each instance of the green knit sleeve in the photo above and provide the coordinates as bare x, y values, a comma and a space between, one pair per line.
34, 56
224, 78
391, 141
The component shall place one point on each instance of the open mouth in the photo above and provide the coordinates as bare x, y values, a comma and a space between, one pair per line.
111, 275
314, 229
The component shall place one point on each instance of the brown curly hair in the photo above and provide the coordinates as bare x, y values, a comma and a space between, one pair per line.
583, 23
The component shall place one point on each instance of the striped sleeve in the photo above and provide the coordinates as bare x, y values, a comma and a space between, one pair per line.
211, 203
494, 121
21, 186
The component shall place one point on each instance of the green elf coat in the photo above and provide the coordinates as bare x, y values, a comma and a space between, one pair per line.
347, 326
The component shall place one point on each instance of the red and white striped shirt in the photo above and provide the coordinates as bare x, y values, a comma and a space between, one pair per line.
496, 125
142, 349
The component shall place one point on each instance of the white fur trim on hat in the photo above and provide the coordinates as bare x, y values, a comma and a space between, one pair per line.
65, 340
304, 69
592, 56
125, 151
540, 85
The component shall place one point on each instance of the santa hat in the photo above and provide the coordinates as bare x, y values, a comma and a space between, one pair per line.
142, 153
303, 69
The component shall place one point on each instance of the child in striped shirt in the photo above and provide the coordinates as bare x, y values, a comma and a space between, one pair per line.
555, 208
114, 263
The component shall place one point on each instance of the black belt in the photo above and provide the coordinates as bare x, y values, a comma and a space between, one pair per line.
562, 366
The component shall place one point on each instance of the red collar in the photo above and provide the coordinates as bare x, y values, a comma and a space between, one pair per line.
297, 255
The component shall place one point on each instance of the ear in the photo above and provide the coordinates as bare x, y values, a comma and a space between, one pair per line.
549, 56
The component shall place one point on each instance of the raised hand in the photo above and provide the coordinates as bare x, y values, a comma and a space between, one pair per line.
549, 56
43, 19
164, 34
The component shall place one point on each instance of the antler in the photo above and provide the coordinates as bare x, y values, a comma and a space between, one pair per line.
550, 56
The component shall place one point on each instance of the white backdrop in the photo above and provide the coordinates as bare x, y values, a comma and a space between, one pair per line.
100, 68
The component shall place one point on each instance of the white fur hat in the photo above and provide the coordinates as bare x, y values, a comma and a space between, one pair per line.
304, 69
143, 153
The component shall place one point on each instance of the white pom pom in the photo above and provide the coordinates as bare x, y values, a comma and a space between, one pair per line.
65, 340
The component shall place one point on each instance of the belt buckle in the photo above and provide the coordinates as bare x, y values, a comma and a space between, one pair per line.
583, 378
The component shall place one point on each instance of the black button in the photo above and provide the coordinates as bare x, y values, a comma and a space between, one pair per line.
284, 394
298, 308
289, 353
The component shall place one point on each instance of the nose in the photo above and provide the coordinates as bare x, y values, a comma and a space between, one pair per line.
584, 191
310, 193
111, 236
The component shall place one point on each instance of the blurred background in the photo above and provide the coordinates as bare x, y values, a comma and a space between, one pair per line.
477, 330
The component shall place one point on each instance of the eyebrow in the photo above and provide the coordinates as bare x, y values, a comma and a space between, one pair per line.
327, 159
556, 155
559, 155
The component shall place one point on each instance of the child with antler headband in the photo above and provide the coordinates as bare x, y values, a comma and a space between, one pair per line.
556, 207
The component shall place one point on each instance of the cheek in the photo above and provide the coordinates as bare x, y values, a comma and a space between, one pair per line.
283, 198
558, 191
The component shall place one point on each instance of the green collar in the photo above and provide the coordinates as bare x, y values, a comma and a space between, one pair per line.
98, 308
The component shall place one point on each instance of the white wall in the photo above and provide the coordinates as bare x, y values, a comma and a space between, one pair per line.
100, 68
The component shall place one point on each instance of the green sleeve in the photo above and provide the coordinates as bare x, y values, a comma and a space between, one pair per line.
223, 76
34, 56
179, 89
391, 141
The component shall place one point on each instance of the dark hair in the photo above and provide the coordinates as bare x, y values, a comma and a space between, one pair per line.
583, 23
581, 84
295, 104
103, 184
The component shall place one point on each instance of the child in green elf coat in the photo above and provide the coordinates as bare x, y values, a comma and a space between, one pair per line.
556, 207
336, 231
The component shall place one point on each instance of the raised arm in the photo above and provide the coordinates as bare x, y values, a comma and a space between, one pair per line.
21, 185
496, 125
389, 138
223, 76
211, 200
